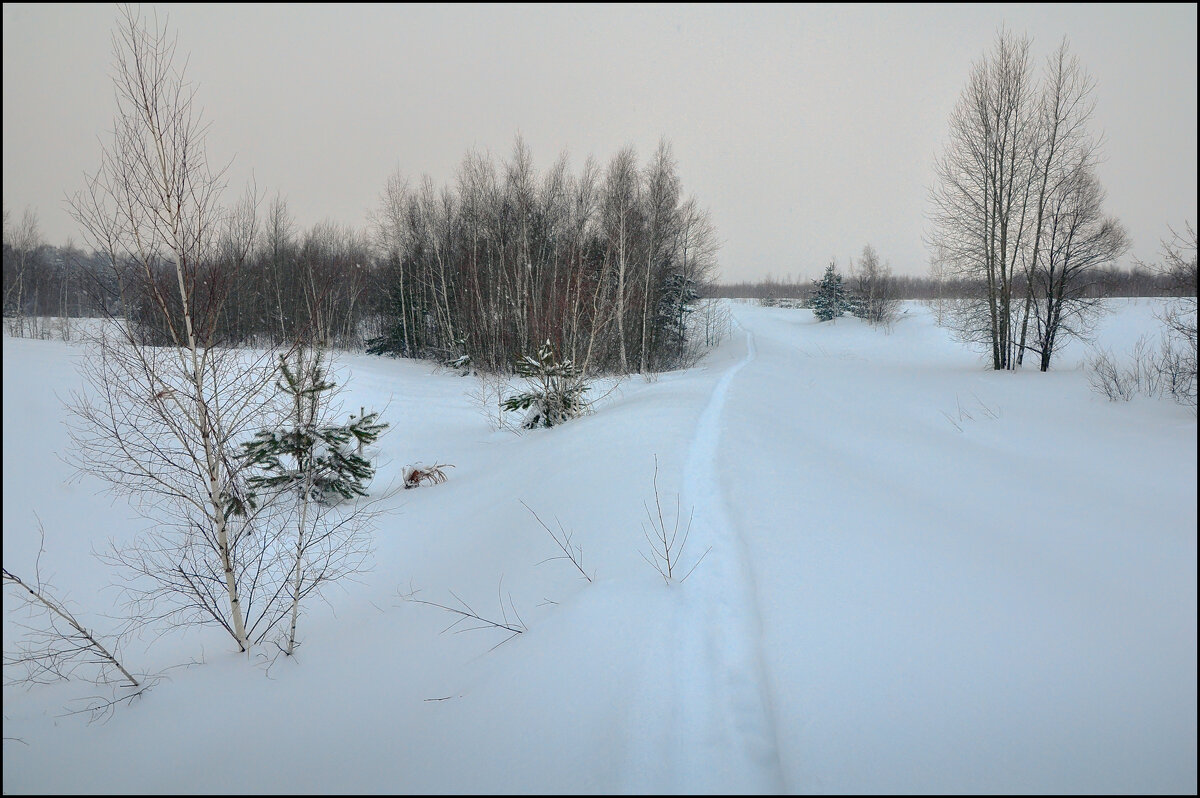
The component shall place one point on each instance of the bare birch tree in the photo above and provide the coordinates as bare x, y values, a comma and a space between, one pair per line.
162, 422
1078, 239
278, 253
980, 201
873, 291
389, 231
1017, 207
1072, 238
621, 221
22, 241
1060, 146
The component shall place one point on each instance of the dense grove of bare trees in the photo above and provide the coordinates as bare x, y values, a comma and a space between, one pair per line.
290, 278
48, 281
41, 281
603, 265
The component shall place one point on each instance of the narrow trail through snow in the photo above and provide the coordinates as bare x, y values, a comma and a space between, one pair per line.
724, 733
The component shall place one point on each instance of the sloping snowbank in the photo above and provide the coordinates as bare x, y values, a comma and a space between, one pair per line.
924, 576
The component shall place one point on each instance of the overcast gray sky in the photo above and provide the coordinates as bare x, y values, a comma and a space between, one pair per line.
807, 131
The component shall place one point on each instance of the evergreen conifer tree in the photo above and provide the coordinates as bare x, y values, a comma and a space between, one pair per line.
555, 390
858, 305
679, 295
829, 300
315, 459
319, 463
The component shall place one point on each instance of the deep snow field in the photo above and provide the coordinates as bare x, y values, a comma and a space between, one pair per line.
924, 576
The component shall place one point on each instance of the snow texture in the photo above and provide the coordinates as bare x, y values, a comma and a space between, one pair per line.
924, 576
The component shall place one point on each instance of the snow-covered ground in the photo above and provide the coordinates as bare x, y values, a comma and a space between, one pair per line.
922, 576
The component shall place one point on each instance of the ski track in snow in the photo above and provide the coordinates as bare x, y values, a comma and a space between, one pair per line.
723, 735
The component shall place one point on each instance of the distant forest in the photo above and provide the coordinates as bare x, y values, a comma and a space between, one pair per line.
1137, 281
359, 286
608, 265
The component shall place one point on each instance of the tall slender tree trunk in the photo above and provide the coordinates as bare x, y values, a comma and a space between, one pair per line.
621, 297
216, 497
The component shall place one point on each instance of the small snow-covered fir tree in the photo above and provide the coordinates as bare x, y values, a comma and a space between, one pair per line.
829, 299
322, 462
460, 358
555, 390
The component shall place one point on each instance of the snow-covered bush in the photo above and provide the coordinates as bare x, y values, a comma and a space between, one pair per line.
319, 464
555, 389
319, 460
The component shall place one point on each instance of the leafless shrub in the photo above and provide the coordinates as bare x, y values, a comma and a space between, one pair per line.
466, 614
1144, 371
55, 645
965, 414
1178, 353
1176, 364
1107, 378
873, 291
666, 547
488, 394
562, 538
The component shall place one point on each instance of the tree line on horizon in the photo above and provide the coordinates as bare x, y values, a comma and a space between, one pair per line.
1137, 280
43, 281
606, 265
